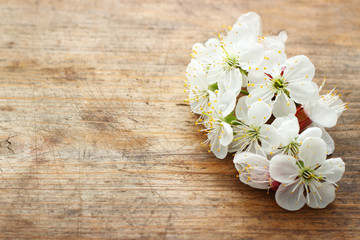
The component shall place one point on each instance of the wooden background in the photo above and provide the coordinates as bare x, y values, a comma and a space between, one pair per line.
95, 141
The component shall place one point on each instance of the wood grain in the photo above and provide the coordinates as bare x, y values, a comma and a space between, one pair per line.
95, 140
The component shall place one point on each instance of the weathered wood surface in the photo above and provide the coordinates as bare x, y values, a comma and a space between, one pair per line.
97, 143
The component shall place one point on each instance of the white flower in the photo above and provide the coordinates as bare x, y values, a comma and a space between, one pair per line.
282, 82
252, 134
311, 178
219, 132
325, 110
290, 139
253, 170
226, 59
253, 20
198, 87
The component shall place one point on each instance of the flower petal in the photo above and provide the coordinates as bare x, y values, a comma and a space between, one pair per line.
195, 73
310, 132
333, 169
232, 81
322, 114
259, 112
264, 94
326, 137
227, 136
241, 37
199, 53
253, 169
219, 150
283, 106
299, 68
283, 168
251, 56
275, 42
270, 138
241, 110
321, 197
252, 20
313, 151
302, 91
288, 126
226, 102
289, 198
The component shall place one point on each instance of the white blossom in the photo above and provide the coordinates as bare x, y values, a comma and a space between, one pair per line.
198, 86
241, 57
219, 132
252, 134
291, 140
282, 82
310, 179
228, 57
324, 111
253, 170
253, 20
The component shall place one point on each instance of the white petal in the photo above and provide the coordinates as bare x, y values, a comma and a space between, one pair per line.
288, 126
283, 168
253, 169
264, 94
227, 136
333, 169
252, 20
241, 110
299, 68
302, 91
219, 150
276, 42
233, 81
322, 115
326, 137
195, 73
259, 112
270, 138
212, 43
241, 37
310, 132
313, 151
322, 196
251, 56
328, 140
214, 103
255, 79
289, 199
283, 106
196, 106
226, 102
245, 81
199, 52
275, 59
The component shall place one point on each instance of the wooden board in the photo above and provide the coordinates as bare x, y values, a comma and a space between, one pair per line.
97, 143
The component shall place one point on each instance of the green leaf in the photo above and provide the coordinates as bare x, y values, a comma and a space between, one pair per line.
213, 87
230, 118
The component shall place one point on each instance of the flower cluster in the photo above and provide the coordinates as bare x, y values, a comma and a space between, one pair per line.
254, 101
